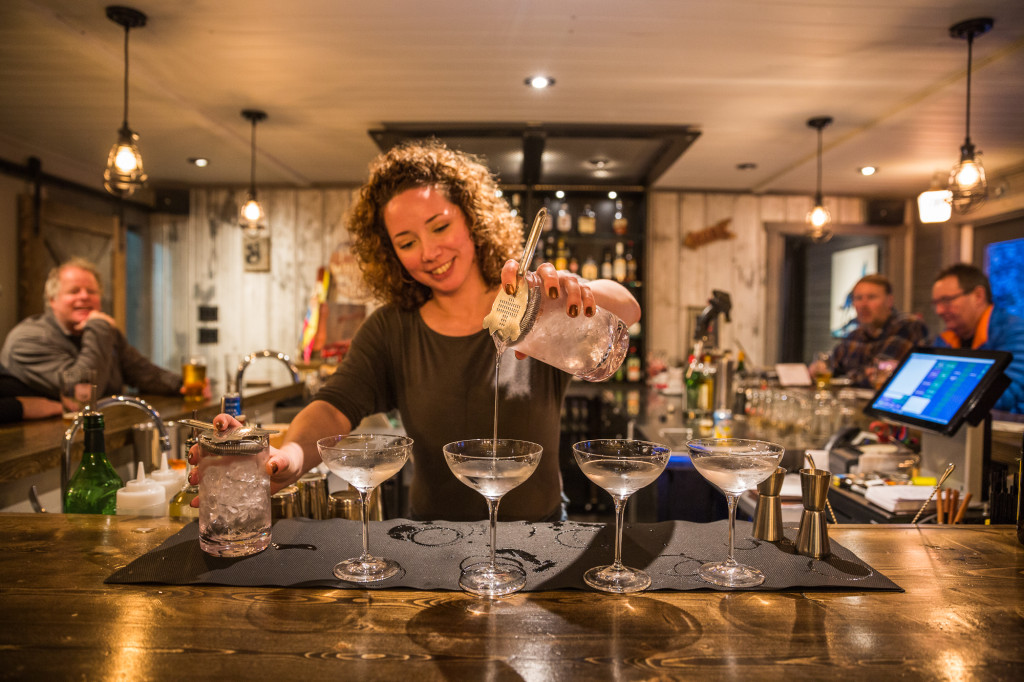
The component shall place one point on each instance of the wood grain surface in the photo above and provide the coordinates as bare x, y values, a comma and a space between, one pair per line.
961, 617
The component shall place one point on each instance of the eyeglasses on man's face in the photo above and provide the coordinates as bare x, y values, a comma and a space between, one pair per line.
946, 301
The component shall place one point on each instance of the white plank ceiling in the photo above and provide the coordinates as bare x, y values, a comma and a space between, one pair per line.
746, 73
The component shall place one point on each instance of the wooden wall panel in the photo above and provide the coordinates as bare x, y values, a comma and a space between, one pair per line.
748, 274
662, 323
202, 262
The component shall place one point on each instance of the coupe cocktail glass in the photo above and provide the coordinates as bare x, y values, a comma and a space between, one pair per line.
365, 461
492, 468
621, 467
733, 465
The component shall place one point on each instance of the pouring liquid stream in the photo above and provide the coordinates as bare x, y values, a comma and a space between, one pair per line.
499, 351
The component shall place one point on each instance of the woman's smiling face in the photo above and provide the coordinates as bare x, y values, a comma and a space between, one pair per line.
430, 235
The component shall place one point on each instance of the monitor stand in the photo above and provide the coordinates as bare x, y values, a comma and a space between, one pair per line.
969, 450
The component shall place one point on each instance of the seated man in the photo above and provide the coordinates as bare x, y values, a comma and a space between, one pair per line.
881, 331
962, 297
74, 333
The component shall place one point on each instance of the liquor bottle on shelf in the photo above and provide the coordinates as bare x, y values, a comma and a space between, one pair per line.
630, 265
587, 222
561, 255
93, 488
549, 218
619, 264
633, 369
706, 393
589, 269
549, 249
564, 223
607, 267
620, 225
574, 264
741, 365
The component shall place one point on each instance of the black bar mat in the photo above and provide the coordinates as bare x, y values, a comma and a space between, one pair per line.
554, 556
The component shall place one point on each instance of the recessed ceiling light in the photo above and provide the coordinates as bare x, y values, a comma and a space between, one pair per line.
867, 170
540, 82
199, 161
560, 194
613, 194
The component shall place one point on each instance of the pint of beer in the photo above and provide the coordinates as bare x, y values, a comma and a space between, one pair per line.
193, 373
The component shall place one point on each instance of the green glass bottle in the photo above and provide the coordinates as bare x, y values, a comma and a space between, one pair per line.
93, 488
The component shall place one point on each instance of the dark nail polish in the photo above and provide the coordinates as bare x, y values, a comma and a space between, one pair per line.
553, 292
574, 310
589, 311
510, 290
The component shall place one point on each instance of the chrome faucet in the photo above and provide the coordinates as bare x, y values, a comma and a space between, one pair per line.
110, 401
247, 360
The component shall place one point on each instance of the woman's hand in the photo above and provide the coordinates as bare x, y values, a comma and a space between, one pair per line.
557, 284
284, 465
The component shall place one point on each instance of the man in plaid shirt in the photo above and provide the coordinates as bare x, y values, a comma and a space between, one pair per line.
883, 336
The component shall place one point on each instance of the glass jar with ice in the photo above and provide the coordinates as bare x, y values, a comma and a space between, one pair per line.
234, 492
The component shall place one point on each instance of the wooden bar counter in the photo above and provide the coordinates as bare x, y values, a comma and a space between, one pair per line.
961, 617
32, 447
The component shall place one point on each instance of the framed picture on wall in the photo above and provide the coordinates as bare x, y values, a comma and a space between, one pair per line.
256, 251
848, 266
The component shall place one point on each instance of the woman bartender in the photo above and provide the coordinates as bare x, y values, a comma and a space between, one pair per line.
434, 242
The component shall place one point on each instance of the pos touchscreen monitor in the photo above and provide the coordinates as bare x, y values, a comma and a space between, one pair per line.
938, 389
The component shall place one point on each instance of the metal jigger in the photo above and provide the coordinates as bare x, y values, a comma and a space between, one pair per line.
812, 539
768, 515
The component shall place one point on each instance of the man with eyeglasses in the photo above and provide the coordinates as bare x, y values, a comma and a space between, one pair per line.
962, 297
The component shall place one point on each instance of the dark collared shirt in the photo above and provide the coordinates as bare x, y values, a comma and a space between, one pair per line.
857, 352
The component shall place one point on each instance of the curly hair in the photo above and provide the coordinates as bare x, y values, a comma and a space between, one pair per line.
465, 181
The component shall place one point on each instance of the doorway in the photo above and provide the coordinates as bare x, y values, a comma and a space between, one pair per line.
816, 309
801, 311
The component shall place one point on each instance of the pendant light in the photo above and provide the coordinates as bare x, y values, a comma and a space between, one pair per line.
251, 216
818, 219
967, 179
124, 173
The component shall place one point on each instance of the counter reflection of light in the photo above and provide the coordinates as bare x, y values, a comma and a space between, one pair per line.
131, 641
954, 666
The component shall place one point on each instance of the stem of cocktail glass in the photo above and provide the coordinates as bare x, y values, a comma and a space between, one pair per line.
492, 512
620, 509
366, 524
731, 499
